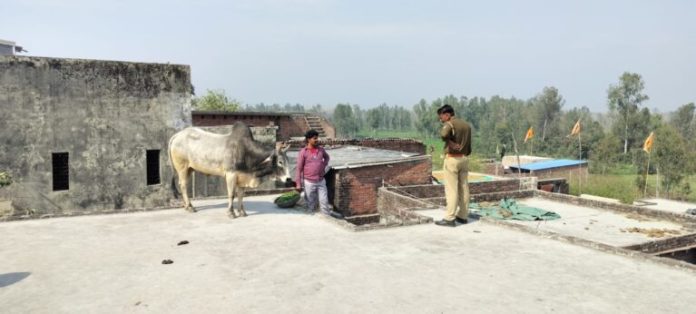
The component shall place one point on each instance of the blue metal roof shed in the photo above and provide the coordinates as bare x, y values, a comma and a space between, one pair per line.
550, 164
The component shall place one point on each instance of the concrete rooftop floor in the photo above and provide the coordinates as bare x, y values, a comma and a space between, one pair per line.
599, 225
287, 261
668, 205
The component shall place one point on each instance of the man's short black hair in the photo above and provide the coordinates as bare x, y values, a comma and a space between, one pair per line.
445, 109
311, 133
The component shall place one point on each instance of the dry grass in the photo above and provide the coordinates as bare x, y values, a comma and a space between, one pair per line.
652, 232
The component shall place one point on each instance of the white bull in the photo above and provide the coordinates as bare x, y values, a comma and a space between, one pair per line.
236, 156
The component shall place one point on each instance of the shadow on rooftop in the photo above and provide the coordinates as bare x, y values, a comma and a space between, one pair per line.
11, 278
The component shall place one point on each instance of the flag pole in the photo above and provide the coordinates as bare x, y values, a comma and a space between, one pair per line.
647, 169
580, 146
657, 182
519, 170
580, 165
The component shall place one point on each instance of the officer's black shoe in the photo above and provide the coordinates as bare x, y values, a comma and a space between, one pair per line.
446, 223
461, 220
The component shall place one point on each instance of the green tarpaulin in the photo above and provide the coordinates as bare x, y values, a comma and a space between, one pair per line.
509, 209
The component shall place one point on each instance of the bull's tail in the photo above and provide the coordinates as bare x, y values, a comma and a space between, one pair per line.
175, 191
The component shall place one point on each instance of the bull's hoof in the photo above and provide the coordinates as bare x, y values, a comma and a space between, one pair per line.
243, 214
190, 209
232, 215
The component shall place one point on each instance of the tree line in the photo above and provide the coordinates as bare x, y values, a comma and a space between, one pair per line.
608, 140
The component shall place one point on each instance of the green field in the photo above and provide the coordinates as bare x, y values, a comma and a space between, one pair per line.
623, 188
619, 182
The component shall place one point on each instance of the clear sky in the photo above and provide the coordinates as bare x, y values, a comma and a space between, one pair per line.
372, 52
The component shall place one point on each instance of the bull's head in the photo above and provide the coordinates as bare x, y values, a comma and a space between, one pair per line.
283, 163
280, 163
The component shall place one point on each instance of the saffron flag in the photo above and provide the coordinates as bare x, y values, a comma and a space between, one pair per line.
530, 134
647, 146
576, 129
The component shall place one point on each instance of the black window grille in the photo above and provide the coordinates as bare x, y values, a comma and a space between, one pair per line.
61, 171
153, 166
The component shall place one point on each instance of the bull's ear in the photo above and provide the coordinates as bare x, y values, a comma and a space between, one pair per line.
267, 160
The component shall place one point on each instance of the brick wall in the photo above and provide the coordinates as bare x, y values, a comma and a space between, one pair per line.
293, 127
479, 191
402, 145
570, 173
494, 168
389, 198
289, 125
355, 189
435, 191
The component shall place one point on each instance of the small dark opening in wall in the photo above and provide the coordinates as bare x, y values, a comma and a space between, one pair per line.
61, 171
153, 167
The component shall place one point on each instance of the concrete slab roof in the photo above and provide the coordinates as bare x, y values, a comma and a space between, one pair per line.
601, 226
287, 261
549, 164
511, 160
350, 156
665, 205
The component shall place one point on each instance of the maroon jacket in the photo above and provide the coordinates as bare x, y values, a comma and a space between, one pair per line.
311, 165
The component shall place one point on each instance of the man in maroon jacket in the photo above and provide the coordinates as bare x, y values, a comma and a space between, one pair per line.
311, 164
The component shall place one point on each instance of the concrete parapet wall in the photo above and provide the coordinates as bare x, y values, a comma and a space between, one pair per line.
355, 189
105, 115
620, 208
400, 145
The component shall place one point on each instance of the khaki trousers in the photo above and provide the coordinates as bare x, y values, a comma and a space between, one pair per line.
456, 187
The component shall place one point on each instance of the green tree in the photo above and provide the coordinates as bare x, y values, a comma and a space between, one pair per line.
426, 119
683, 120
669, 153
548, 104
215, 101
344, 121
373, 118
605, 154
359, 117
624, 100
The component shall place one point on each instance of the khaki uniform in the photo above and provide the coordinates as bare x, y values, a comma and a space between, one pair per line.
456, 134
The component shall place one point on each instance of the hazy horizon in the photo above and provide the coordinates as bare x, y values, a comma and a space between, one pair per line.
368, 53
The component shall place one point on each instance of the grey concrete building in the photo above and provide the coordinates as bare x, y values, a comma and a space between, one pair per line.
86, 135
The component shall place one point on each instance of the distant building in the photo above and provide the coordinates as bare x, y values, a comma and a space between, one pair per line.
9, 48
555, 168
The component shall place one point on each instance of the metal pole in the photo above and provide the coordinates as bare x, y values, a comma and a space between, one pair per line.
514, 142
657, 181
580, 165
645, 188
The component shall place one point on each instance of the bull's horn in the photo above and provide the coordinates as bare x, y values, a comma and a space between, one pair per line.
267, 160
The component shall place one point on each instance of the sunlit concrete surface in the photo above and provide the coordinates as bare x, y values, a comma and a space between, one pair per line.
290, 262
599, 225
666, 205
